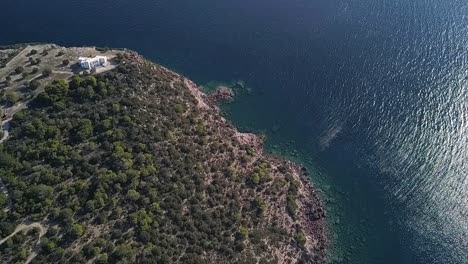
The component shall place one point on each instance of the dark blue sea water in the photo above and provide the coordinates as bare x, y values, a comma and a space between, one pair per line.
370, 95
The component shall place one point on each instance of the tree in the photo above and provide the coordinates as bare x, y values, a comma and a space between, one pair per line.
58, 89
3, 200
76, 230
90, 206
6, 160
133, 195
19, 69
116, 108
11, 98
47, 245
46, 72
300, 238
40, 192
57, 255
65, 62
91, 80
84, 129
86, 93
102, 258
242, 234
6, 228
34, 70
59, 105
90, 250
34, 84
124, 252
120, 56
66, 215
179, 108
291, 205
260, 204
76, 82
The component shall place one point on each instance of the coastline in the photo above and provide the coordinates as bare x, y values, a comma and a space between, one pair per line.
390, 75
311, 213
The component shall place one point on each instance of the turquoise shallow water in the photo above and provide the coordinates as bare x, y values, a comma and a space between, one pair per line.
358, 222
371, 96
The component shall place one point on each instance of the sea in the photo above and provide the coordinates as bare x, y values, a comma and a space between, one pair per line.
371, 96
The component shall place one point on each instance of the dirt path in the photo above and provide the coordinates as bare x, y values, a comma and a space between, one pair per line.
14, 61
21, 227
32, 255
4, 190
110, 66
5, 128
10, 112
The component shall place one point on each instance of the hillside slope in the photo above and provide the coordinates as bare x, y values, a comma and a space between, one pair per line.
136, 165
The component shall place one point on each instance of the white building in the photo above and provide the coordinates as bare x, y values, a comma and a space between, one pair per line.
90, 63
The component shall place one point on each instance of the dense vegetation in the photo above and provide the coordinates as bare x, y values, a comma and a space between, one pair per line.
124, 167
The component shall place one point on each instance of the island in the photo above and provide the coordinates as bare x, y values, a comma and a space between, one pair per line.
126, 161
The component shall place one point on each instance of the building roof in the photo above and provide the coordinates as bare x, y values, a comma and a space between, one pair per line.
91, 58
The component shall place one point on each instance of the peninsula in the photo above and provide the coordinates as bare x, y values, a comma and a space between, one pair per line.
129, 162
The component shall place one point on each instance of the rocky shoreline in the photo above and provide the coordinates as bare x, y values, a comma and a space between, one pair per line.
311, 214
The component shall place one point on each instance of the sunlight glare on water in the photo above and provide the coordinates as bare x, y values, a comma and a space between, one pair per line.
374, 91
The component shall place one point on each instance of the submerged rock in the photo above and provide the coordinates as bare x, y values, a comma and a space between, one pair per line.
222, 94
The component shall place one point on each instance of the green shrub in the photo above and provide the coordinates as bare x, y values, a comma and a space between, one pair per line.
19, 69
46, 72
